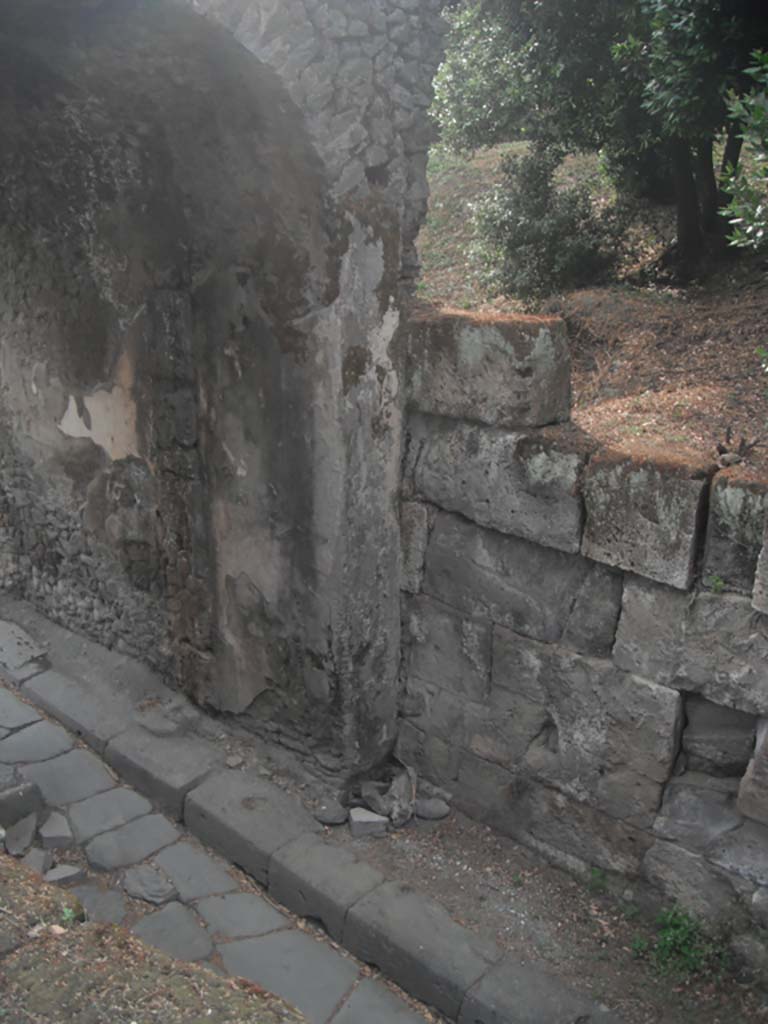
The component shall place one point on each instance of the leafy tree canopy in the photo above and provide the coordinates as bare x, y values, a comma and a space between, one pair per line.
646, 82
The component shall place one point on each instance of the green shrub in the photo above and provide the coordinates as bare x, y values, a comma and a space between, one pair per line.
681, 948
535, 238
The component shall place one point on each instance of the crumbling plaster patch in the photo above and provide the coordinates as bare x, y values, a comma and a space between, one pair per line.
106, 416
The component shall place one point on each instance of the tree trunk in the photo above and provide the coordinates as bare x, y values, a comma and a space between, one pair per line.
731, 153
689, 234
707, 187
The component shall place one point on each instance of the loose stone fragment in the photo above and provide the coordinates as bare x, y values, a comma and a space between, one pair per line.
18, 838
56, 833
331, 812
65, 874
363, 822
38, 860
149, 884
18, 798
431, 809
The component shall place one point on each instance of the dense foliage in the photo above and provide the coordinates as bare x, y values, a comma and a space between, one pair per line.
747, 210
643, 82
534, 237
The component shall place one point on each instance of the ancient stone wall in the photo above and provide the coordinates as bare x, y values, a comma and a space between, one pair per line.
207, 228
585, 662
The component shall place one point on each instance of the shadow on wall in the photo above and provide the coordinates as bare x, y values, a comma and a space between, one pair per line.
166, 239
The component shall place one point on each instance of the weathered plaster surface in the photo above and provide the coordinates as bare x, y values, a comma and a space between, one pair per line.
209, 216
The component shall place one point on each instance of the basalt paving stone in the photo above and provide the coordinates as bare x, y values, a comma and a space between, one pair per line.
315, 879
104, 906
149, 884
245, 818
130, 843
306, 973
37, 742
70, 778
414, 940
373, 1003
512, 993
175, 930
194, 873
97, 715
240, 915
165, 768
106, 811
14, 713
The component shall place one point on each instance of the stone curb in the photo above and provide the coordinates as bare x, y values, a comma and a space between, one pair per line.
270, 835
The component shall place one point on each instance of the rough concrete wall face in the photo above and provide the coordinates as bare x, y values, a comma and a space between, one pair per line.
204, 247
585, 662
362, 71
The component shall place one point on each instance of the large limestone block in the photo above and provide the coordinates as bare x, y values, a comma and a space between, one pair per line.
644, 516
698, 809
575, 834
714, 645
734, 532
514, 582
753, 791
506, 372
743, 853
688, 880
649, 634
439, 713
593, 620
725, 653
522, 484
433, 758
600, 735
486, 791
447, 649
717, 740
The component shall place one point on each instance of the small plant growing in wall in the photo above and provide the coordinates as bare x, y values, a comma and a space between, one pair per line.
716, 584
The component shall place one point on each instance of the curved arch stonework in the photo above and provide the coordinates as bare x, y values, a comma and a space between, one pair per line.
207, 229
362, 72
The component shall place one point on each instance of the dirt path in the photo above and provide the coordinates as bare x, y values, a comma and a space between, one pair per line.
583, 932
